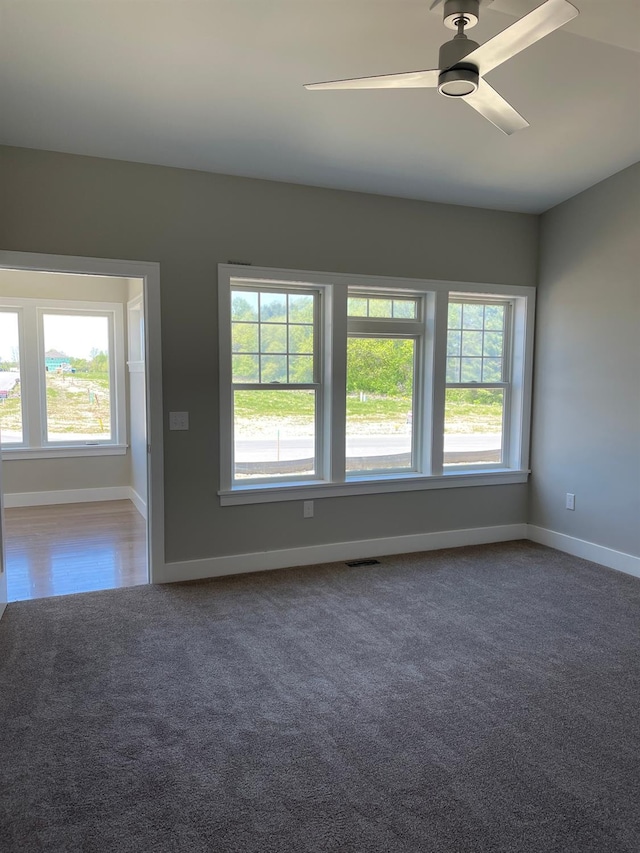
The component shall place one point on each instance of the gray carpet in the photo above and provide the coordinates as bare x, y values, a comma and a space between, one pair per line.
462, 701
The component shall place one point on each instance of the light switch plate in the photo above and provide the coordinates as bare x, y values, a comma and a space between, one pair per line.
178, 420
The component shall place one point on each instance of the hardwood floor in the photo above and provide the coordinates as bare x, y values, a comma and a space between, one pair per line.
57, 550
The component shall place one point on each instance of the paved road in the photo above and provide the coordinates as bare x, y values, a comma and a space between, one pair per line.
8, 380
260, 449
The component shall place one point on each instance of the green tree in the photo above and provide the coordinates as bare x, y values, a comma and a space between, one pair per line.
380, 366
244, 307
80, 365
99, 362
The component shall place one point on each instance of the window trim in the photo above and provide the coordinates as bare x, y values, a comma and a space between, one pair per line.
317, 385
506, 384
32, 379
18, 311
334, 333
400, 328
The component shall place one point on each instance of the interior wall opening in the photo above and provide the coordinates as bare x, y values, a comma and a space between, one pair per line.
73, 432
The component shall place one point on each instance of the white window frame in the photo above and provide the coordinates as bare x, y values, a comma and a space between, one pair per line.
317, 386
428, 427
506, 384
135, 333
35, 444
17, 310
387, 329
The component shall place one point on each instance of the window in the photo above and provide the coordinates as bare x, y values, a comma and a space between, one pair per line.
477, 395
338, 384
276, 383
11, 431
384, 345
62, 371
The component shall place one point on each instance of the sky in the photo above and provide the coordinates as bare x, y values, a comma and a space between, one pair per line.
75, 336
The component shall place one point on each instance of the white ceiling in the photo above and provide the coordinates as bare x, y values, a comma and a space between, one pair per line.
217, 85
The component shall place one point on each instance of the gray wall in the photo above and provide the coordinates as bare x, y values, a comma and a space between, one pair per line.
190, 221
586, 399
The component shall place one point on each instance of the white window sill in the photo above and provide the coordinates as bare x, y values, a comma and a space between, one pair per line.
313, 489
64, 451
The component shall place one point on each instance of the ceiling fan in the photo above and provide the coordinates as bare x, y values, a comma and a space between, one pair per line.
463, 62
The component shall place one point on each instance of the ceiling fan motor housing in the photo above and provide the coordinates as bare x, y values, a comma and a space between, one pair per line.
457, 79
453, 52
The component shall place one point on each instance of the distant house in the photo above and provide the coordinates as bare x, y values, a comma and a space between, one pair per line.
55, 360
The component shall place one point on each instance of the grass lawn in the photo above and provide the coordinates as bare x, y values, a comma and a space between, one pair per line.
77, 403
467, 410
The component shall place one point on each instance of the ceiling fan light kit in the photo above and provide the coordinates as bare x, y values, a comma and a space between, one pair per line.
458, 82
462, 62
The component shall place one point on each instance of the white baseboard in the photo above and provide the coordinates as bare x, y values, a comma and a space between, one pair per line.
68, 496
236, 564
587, 550
138, 502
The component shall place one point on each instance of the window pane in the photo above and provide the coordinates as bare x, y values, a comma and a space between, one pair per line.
273, 338
404, 309
300, 308
492, 370
357, 307
471, 370
380, 404
246, 368
454, 340
492, 345
244, 306
453, 370
494, 317
380, 308
273, 308
244, 337
273, 368
301, 339
300, 368
471, 343
473, 426
274, 433
77, 381
11, 431
455, 315
472, 316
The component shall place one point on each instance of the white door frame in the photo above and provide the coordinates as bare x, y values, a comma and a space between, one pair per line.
149, 272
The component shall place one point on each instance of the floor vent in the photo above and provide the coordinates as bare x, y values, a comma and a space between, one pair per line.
354, 563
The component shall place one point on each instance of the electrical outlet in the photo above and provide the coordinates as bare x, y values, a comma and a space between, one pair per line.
178, 420
571, 501
307, 509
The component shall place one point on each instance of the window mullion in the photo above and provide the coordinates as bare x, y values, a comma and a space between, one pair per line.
435, 369
335, 373
34, 377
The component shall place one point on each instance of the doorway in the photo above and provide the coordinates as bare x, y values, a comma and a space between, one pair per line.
81, 497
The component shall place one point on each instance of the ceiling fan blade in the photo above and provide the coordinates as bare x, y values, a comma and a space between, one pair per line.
405, 80
486, 101
527, 31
